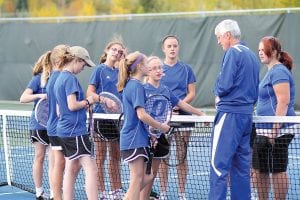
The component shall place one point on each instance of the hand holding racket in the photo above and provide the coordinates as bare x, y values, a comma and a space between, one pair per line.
110, 103
109, 129
159, 108
41, 112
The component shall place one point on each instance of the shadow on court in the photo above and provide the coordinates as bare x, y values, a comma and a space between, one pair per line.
13, 193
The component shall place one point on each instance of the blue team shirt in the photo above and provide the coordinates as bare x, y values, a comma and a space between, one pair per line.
177, 78
52, 117
237, 83
133, 133
267, 101
35, 86
70, 123
105, 79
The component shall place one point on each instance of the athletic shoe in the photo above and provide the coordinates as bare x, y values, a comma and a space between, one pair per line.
116, 195
181, 196
163, 196
42, 197
154, 195
103, 196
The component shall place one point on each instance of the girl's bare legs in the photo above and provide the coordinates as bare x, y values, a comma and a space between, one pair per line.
138, 178
114, 165
280, 185
100, 160
182, 169
90, 169
38, 163
262, 185
145, 193
71, 172
57, 174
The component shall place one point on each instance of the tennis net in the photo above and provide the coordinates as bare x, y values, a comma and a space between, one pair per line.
16, 156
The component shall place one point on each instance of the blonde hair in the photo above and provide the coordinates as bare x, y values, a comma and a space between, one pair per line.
124, 68
52, 58
116, 40
39, 64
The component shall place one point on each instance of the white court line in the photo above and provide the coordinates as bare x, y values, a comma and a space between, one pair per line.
9, 193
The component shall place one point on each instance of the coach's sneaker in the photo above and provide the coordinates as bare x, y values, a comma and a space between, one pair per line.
181, 196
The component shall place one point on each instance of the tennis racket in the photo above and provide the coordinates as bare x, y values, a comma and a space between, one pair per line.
177, 149
91, 130
108, 129
158, 107
41, 112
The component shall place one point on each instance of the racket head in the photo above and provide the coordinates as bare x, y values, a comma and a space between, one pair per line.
177, 148
41, 112
117, 109
159, 108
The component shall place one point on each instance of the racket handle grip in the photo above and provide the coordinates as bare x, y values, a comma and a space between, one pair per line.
149, 163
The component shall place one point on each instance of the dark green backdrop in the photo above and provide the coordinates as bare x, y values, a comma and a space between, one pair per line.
21, 43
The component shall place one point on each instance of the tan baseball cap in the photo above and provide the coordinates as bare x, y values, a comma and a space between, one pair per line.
82, 53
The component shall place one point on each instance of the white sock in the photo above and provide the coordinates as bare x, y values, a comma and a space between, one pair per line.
39, 191
51, 194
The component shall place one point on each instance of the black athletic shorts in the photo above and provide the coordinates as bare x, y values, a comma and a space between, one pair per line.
40, 136
55, 142
271, 159
75, 147
106, 129
132, 154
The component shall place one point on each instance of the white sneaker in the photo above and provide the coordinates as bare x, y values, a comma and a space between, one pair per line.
163, 196
181, 196
103, 196
116, 195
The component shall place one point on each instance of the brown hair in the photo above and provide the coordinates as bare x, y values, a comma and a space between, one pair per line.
272, 44
52, 58
167, 37
115, 40
124, 68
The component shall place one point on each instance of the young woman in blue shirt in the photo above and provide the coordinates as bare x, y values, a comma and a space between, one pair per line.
134, 139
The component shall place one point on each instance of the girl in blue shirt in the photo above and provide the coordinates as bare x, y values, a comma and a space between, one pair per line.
153, 87
134, 139
33, 93
56, 160
71, 126
180, 79
104, 79
276, 98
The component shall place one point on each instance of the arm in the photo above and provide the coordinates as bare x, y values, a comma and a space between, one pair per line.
146, 118
74, 105
190, 109
190, 93
28, 96
282, 92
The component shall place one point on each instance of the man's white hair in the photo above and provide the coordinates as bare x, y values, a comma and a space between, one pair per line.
228, 25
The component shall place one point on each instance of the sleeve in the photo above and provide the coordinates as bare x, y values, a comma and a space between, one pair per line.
279, 75
34, 84
191, 75
138, 97
224, 82
95, 78
174, 99
71, 86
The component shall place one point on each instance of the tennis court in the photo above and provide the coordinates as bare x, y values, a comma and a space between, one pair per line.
16, 155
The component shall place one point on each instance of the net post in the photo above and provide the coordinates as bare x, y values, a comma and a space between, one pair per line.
6, 150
